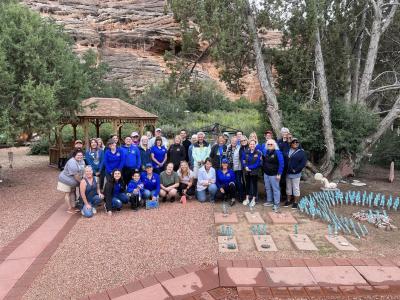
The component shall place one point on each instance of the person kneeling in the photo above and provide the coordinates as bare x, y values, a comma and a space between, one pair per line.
134, 191
226, 182
90, 196
151, 183
169, 182
206, 182
114, 192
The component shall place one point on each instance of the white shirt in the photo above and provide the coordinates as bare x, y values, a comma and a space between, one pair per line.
204, 177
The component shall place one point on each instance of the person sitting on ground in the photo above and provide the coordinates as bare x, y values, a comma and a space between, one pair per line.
135, 138
226, 183
158, 156
169, 183
69, 179
90, 195
94, 157
132, 159
176, 153
206, 182
114, 192
151, 183
158, 134
190, 151
186, 180
251, 161
135, 190
114, 158
297, 160
201, 151
145, 152
218, 152
185, 142
272, 166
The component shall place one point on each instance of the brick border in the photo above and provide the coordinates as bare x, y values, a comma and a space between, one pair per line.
256, 292
21, 237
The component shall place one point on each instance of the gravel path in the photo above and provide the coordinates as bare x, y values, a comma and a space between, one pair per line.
27, 191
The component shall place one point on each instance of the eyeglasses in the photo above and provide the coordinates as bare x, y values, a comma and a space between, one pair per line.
270, 144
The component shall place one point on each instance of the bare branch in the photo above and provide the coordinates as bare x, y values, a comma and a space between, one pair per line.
383, 73
389, 17
385, 88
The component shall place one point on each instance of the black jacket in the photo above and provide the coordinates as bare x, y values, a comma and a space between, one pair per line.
176, 153
216, 157
109, 192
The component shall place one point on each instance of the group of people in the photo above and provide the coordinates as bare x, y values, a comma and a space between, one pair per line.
147, 168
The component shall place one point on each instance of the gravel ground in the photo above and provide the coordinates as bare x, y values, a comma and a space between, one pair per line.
27, 191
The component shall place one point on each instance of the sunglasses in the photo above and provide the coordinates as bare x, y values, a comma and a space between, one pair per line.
270, 144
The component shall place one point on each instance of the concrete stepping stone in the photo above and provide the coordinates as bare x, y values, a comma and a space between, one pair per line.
282, 218
289, 276
237, 276
341, 243
337, 276
223, 241
220, 218
302, 242
154, 292
254, 218
380, 275
260, 240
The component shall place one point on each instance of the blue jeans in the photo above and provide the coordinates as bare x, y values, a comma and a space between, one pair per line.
147, 194
202, 196
95, 200
272, 189
119, 199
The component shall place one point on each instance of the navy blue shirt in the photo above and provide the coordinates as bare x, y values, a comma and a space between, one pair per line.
159, 154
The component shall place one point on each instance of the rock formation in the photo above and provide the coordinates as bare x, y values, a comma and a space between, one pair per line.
131, 37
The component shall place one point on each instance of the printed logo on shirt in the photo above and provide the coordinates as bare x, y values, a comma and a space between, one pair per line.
118, 154
153, 180
255, 155
273, 155
228, 175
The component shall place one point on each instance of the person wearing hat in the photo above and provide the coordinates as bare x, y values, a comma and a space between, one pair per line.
272, 168
226, 182
114, 158
132, 159
151, 183
218, 152
158, 154
206, 182
78, 145
157, 133
176, 153
135, 138
297, 160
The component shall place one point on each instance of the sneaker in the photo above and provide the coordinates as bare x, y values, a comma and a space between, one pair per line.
94, 210
268, 204
294, 205
252, 203
275, 209
287, 203
105, 207
232, 203
246, 202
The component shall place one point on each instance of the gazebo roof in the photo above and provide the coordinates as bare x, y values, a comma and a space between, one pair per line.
112, 108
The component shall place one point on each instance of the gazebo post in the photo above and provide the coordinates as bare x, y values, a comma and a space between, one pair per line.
97, 128
120, 132
74, 130
141, 128
86, 132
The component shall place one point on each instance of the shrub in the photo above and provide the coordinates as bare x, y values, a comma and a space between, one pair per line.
40, 147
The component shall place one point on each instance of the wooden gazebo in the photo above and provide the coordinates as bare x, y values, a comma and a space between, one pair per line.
99, 111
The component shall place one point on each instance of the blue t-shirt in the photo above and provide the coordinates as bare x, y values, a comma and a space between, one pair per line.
159, 154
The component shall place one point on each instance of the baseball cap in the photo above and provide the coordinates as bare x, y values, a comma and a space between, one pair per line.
224, 161
134, 134
158, 129
149, 165
294, 140
78, 142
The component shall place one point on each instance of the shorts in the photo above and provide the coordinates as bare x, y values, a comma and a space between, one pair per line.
62, 187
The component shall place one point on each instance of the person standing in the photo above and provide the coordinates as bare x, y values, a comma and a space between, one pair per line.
284, 146
114, 158
218, 152
251, 161
158, 155
233, 155
272, 166
135, 138
94, 157
206, 182
190, 152
145, 152
185, 142
297, 160
201, 151
158, 134
132, 159
226, 182
176, 153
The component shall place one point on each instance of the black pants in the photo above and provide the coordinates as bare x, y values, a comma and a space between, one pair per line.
230, 192
251, 185
135, 201
183, 186
282, 185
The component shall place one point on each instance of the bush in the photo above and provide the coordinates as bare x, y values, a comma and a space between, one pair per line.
386, 150
40, 147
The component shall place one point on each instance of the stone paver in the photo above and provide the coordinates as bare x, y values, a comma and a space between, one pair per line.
341, 243
154, 292
223, 242
282, 218
254, 218
380, 275
289, 276
302, 242
230, 218
260, 240
336, 276
231, 277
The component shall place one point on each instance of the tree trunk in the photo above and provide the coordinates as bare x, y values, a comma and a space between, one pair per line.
329, 158
347, 95
384, 125
272, 107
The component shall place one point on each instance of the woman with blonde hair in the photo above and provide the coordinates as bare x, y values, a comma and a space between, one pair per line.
186, 178
253, 137
145, 152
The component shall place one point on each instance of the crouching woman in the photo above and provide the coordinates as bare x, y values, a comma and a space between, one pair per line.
90, 195
114, 192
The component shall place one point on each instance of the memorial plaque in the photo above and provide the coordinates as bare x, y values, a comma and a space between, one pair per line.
225, 244
264, 243
340, 243
282, 218
302, 242
254, 218
220, 218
